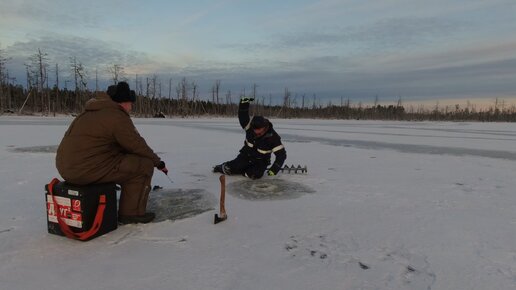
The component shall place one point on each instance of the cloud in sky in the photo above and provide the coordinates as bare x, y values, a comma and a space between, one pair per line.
386, 34
357, 49
93, 54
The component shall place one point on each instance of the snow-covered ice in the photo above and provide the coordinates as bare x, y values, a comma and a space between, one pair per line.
385, 205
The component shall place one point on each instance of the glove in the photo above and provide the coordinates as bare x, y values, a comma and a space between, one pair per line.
273, 170
161, 166
246, 100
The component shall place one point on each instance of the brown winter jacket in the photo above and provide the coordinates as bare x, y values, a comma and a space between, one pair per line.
97, 140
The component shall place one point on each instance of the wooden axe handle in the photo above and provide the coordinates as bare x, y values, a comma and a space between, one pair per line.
222, 179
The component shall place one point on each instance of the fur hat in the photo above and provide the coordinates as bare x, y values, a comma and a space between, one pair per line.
121, 93
259, 122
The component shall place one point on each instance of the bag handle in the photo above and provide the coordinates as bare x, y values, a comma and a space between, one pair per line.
97, 222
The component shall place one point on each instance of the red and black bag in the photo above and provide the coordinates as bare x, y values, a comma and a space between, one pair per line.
81, 212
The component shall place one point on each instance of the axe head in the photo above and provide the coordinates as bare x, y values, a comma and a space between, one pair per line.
219, 219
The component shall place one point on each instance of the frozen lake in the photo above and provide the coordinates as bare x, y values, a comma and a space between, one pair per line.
385, 205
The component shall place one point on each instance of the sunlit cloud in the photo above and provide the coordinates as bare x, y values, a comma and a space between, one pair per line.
330, 48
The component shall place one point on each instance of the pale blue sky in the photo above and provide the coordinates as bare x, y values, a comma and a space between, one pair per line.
351, 48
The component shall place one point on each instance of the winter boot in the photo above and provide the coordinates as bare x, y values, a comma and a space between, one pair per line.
136, 219
222, 168
218, 169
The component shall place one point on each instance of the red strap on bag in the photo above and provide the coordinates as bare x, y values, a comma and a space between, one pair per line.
97, 222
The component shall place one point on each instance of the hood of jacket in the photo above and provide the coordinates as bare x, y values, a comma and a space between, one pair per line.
102, 101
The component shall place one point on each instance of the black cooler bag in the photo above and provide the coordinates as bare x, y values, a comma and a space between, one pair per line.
82, 212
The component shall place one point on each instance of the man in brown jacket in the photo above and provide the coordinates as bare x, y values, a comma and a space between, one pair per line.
102, 145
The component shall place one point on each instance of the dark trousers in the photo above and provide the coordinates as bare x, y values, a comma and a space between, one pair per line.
247, 166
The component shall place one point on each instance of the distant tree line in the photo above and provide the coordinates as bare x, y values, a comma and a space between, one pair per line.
40, 97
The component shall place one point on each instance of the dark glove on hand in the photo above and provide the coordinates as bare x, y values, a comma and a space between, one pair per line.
161, 166
246, 100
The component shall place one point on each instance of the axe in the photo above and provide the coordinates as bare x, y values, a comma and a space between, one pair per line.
223, 216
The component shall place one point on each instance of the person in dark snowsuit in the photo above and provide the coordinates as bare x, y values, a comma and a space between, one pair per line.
261, 140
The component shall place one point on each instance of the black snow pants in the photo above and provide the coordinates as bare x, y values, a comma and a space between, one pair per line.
247, 166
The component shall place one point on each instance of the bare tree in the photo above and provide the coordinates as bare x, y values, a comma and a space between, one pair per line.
228, 98
4, 78
138, 85
195, 93
286, 102
183, 95
159, 86
153, 81
169, 97
80, 77
213, 94
117, 73
56, 101
217, 89
9, 96
255, 86
194, 96
40, 62
170, 88
96, 80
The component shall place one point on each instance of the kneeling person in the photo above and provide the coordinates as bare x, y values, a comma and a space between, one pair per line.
260, 141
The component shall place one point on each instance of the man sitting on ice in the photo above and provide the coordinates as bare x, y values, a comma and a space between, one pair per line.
260, 141
102, 145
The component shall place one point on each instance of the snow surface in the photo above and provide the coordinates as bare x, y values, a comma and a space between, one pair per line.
392, 205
